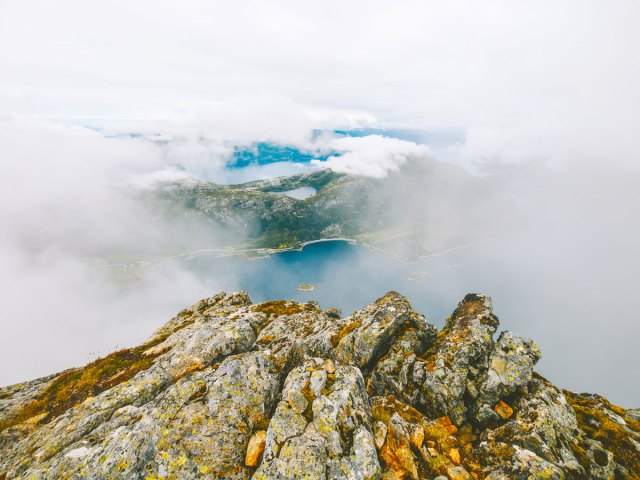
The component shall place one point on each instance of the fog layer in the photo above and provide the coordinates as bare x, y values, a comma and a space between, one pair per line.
540, 98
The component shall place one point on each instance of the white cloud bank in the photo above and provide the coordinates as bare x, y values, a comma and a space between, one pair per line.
529, 84
371, 156
63, 202
555, 76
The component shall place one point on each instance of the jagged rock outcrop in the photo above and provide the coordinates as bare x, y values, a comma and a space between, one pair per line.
282, 390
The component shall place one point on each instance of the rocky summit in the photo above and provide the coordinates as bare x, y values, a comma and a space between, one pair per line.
284, 390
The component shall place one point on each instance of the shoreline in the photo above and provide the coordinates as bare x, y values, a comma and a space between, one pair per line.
260, 253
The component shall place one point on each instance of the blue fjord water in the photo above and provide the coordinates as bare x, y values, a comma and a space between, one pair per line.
349, 277
538, 292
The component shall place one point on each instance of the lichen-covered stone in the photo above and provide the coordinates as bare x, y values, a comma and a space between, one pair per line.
415, 446
285, 390
392, 373
510, 367
437, 372
369, 333
543, 423
455, 364
332, 434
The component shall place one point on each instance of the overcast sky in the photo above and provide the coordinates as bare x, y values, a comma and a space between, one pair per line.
543, 93
524, 80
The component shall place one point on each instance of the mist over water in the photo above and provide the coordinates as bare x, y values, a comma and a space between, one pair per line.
539, 97
534, 296
566, 277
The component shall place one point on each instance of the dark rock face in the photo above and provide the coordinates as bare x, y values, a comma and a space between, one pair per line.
281, 390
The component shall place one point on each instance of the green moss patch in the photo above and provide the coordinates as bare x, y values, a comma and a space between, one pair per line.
598, 426
384, 407
279, 307
346, 330
74, 386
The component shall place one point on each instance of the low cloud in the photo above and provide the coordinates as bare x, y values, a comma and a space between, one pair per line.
371, 156
66, 208
543, 92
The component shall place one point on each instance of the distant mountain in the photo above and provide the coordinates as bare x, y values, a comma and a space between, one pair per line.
424, 208
283, 390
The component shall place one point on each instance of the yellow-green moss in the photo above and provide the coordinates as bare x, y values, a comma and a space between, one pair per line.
469, 308
183, 325
384, 407
279, 307
310, 397
346, 330
439, 431
611, 434
266, 339
438, 464
74, 386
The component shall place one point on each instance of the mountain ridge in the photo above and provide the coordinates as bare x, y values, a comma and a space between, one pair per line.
232, 389
412, 213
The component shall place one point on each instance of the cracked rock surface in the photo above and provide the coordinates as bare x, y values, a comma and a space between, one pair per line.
284, 390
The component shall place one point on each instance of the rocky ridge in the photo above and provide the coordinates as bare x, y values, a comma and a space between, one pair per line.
283, 390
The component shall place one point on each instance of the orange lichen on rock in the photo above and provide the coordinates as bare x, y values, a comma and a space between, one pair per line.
445, 422
454, 455
255, 448
417, 436
398, 456
359, 397
504, 410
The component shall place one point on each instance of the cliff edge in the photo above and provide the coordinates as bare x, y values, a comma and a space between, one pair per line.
284, 390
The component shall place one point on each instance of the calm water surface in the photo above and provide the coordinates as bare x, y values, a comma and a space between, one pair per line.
567, 323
